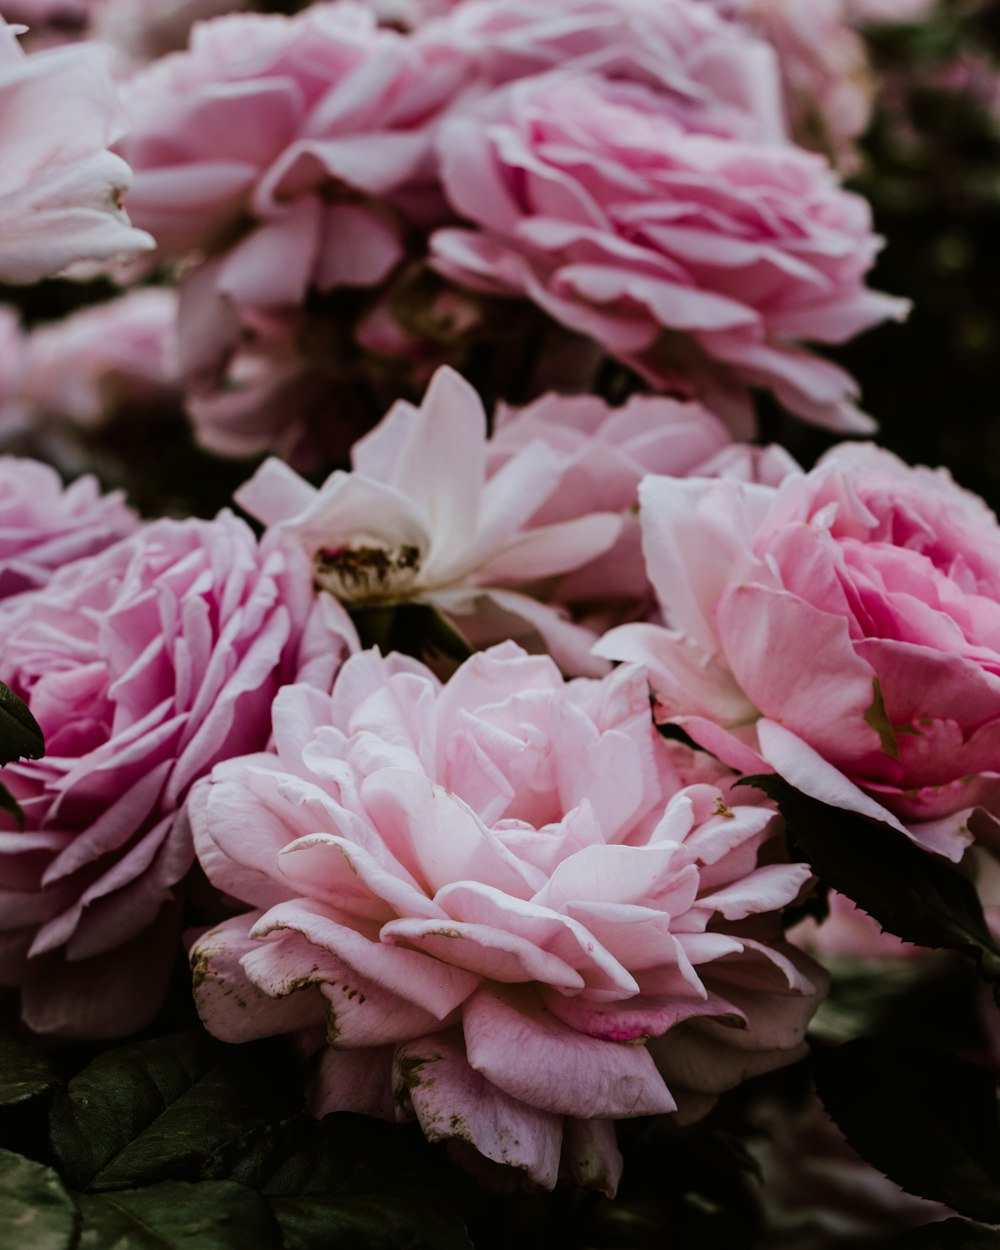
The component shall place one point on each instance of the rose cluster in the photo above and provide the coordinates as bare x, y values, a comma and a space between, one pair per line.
432, 757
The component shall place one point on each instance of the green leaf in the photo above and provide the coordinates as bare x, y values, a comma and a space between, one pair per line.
20, 734
178, 1215
349, 1181
164, 1108
121, 1093
11, 806
925, 1118
949, 1235
382, 1221
417, 629
36, 1212
24, 1072
910, 892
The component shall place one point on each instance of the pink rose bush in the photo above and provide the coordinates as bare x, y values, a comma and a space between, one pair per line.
44, 525
839, 628
694, 255
60, 187
512, 918
419, 520
144, 666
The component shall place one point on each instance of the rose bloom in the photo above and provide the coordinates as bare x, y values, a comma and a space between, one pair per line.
101, 358
44, 525
604, 453
296, 147
283, 155
720, 76
419, 520
699, 258
842, 627
827, 82
502, 907
144, 666
60, 187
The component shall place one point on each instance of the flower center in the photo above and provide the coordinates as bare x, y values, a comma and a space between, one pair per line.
360, 575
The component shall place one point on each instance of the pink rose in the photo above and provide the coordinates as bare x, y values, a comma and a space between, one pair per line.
700, 258
61, 187
848, 932
498, 901
102, 357
419, 520
144, 29
604, 453
284, 155
44, 525
842, 628
828, 84
721, 77
144, 665
296, 147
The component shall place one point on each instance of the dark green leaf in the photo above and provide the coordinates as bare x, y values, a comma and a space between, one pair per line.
177, 1215
949, 1235
24, 1072
926, 1119
20, 734
162, 1109
910, 892
416, 629
11, 806
36, 1212
384, 1221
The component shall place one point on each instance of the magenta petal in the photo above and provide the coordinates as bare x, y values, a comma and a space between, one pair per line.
487, 951
112, 995
454, 1102
517, 1046
425, 982
591, 1158
354, 1080
231, 1006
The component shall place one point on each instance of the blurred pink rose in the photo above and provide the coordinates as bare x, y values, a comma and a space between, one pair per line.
816, 1192
144, 665
141, 30
603, 454
843, 627
283, 155
420, 520
720, 77
60, 187
494, 895
849, 932
862, 11
296, 147
827, 82
44, 525
697, 258
92, 362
